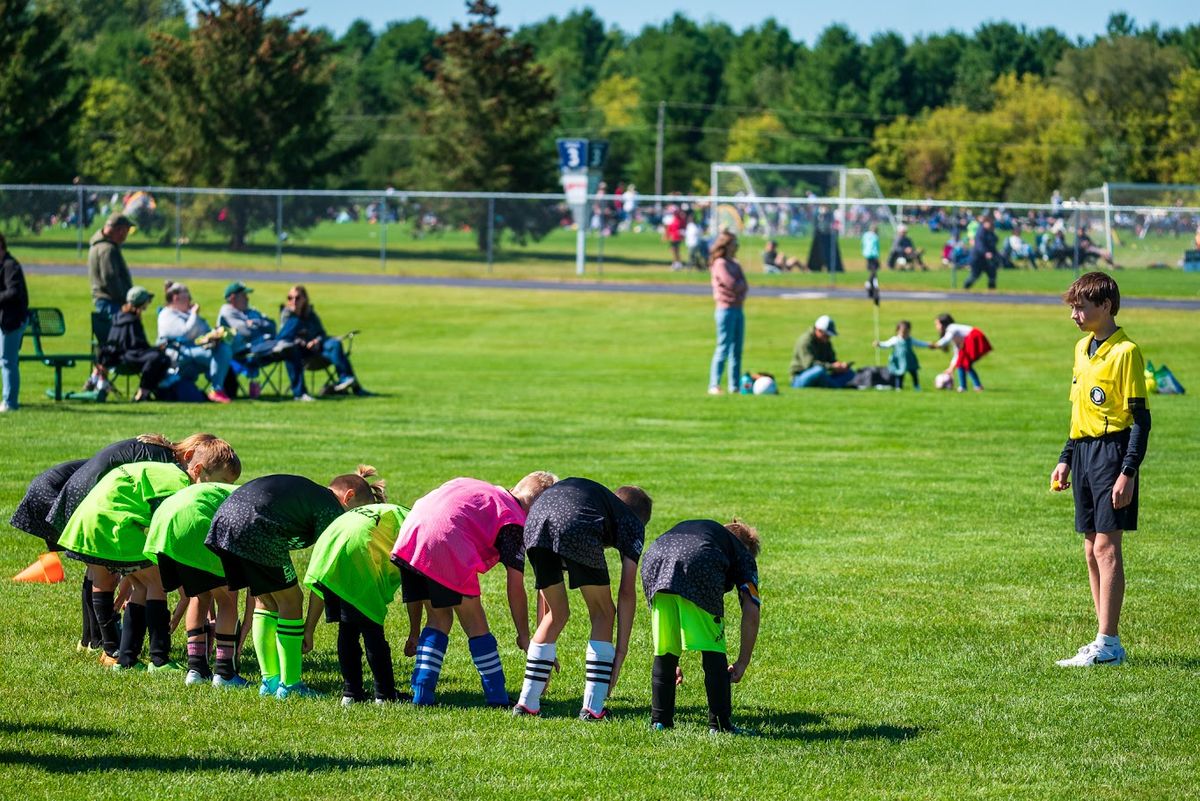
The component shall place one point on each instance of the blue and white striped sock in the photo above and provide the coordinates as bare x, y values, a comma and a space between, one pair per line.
431, 650
486, 656
600, 658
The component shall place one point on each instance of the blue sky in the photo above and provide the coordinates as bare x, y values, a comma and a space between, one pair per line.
805, 20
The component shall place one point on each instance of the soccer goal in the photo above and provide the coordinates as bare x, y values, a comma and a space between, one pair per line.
1143, 224
790, 199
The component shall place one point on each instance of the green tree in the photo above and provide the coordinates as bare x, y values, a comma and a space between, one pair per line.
41, 96
242, 101
1181, 156
105, 147
488, 124
830, 98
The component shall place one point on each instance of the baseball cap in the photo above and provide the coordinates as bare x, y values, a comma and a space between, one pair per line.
236, 287
138, 296
118, 220
825, 323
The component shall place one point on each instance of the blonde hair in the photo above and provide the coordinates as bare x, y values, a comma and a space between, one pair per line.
218, 455
189, 443
364, 491
747, 535
533, 485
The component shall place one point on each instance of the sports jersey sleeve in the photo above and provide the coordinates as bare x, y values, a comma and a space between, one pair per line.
510, 543
745, 571
631, 536
1133, 378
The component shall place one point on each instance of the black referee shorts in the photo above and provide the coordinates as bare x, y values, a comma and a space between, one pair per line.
1095, 465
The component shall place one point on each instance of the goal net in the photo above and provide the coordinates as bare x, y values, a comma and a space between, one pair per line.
775, 200
1142, 225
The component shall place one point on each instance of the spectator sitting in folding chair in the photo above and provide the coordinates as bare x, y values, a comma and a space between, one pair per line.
127, 346
255, 343
299, 322
196, 347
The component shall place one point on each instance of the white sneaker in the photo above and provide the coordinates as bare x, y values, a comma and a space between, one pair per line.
1095, 655
304, 398
193, 678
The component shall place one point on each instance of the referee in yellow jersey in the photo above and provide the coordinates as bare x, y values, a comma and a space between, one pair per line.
1110, 426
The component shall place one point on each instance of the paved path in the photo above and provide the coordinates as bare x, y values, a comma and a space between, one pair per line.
786, 293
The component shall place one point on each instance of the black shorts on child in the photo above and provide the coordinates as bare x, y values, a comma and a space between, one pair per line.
259, 578
112, 566
548, 570
193, 580
1095, 464
416, 587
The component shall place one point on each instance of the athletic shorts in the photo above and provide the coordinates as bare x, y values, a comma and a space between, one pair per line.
548, 570
193, 580
116, 568
679, 625
416, 587
259, 578
1095, 465
333, 604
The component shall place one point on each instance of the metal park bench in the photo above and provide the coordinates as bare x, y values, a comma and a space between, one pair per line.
49, 322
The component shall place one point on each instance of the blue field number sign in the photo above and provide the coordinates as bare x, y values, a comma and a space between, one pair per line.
597, 153
573, 154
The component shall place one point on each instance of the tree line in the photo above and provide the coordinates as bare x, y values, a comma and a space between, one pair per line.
133, 92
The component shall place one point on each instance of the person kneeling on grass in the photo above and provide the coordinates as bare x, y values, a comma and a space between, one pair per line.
685, 575
351, 571
175, 542
568, 529
252, 533
456, 533
108, 532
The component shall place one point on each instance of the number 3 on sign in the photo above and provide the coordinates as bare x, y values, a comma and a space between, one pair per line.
572, 153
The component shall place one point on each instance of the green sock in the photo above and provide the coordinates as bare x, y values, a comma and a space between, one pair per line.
263, 634
290, 636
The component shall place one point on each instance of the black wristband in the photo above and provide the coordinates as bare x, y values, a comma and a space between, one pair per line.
1128, 470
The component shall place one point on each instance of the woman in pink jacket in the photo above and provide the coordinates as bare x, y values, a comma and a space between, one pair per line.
729, 291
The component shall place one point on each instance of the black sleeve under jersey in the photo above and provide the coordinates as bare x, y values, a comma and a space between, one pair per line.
1139, 434
1067, 452
510, 542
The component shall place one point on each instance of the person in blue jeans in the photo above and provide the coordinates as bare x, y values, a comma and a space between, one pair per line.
814, 364
300, 323
729, 292
14, 308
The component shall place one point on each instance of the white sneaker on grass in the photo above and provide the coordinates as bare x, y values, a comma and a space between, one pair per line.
193, 678
1095, 655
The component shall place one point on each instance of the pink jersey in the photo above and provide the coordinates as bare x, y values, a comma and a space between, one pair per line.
450, 534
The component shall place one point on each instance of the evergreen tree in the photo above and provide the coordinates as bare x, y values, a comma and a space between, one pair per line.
242, 101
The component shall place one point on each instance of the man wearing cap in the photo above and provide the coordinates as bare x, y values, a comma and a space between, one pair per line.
814, 363
254, 343
107, 270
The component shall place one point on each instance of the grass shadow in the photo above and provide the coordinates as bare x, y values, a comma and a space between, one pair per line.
814, 727
64, 730
161, 763
1176, 661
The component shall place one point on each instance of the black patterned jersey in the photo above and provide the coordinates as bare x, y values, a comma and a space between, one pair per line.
699, 560
267, 517
127, 451
32, 512
578, 518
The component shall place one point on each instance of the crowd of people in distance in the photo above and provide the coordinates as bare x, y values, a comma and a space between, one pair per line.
188, 349
147, 517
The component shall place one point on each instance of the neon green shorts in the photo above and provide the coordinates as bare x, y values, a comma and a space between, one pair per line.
679, 625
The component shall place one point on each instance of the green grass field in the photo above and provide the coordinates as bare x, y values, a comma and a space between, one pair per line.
918, 578
356, 247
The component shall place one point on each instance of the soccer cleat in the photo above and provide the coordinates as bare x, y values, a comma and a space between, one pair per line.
193, 678
85, 648
733, 731
268, 687
588, 716
299, 690
398, 698
522, 711
136, 667
349, 701
509, 704
657, 727
107, 660
165, 667
234, 682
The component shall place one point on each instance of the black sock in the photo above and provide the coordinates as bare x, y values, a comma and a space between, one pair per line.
133, 632
719, 689
197, 652
226, 647
158, 624
349, 654
106, 620
379, 657
91, 629
662, 690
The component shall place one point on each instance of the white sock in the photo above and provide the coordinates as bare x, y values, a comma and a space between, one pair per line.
539, 661
1106, 640
600, 657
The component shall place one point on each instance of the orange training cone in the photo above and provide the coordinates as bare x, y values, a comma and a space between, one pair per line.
46, 570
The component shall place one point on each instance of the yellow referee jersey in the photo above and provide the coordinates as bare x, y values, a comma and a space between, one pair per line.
1103, 383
